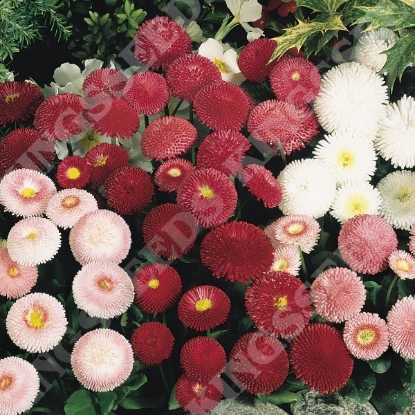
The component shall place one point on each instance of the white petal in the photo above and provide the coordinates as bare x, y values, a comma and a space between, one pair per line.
211, 49
255, 33
234, 78
91, 65
234, 6
250, 11
230, 58
67, 72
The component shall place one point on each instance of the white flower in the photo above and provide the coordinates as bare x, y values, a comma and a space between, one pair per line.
193, 30
245, 11
352, 97
225, 58
355, 199
397, 190
395, 140
349, 157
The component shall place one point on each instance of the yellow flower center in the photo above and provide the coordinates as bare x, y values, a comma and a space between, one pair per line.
31, 235
37, 319
220, 65
280, 265
174, 172
101, 161
203, 305
73, 173
5, 382
105, 284
198, 388
404, 195
70, 202
295, 228
13, 272
154, 284
402, 265
11, 98
365, 336
280, 302
206, 192
356, 205
28, 192
295, 76
345, 159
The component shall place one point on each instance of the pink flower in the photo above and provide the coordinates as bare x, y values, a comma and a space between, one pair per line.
402, 264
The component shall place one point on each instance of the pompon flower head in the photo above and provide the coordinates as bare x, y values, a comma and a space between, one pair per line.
103, 289
286, 259
104, 83
366, 336
279, 304
320, 358
61, 116
104, 158
402, 264
222, 106
146, 92
295, 80
397, 191
371, 45
365, 243
169, 230
308, 188
262, 184
36, 322
168, 137
18, 101
159, 41
190, 73
258, 362
202, 358
152, 343
98, 236
198, 397
26, 192
68, 205
102, 359
395, 137
203, 307
401, 326
170, 174
224, 151
157, 287
231, 251
73, 172
15, 280
352, 97
19, 385
284, 125
298, 230
128, 190
348, 156
338, 294
33, 241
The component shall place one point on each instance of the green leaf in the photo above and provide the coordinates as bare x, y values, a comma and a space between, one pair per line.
381, 364
360, 388
133, 383
173, 404
391, 401
107, 401
127, 7
103, 19
80, 403
280, 398
375, 292
219, 333
326, 6
139, 402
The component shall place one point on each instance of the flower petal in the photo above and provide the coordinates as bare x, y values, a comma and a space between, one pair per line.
67, 72
250, 11
211, 49
234, 6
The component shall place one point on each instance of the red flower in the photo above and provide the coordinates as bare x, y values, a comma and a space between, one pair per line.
73, 172
156, 287
203, 307
167, 137
104, 83
171, 173
128, 190
320, 358
152, 343
231, 251
258, 363
169, 230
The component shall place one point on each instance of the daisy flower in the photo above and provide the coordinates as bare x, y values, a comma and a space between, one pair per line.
411, 244
104, 83
308, 188
36, 322
402, 264
286, 259
73, 172
397, 191
102, 359
171, 173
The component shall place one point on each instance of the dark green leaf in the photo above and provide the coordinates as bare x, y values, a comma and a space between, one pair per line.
327, 6
381, 364
107, 401
217, 334
360, 388
280, 398
173, 404
391, 401
80, 403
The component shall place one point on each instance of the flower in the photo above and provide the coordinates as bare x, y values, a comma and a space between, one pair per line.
171, 173
73, 172
365, 243
338, 294
152, 343
209, 195
320, 358
103, 289
26, 192
67, 206
394, 139
258, 363
286, 259
202, 358
101, 235
402, 264
355, 198
157, 287
231, 251
397, 191
104, 83
128, 190
169, 230
308, 188
18, 101
19, 385
203, 307
167, 137
36, 322
279, 304
348, 156
15, 280
102, 359
295, 80
366, 336
352, 97
159, 41
411, 244
33, 241
401, 326
262, 184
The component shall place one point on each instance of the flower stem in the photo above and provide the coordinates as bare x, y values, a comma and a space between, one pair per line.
208, 334
163, 377
303, 266
225, 27
146, 121
191, 114
177, 107
388, 293
282, 153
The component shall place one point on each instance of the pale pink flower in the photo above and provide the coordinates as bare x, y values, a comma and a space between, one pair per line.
287, 259
402, 264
